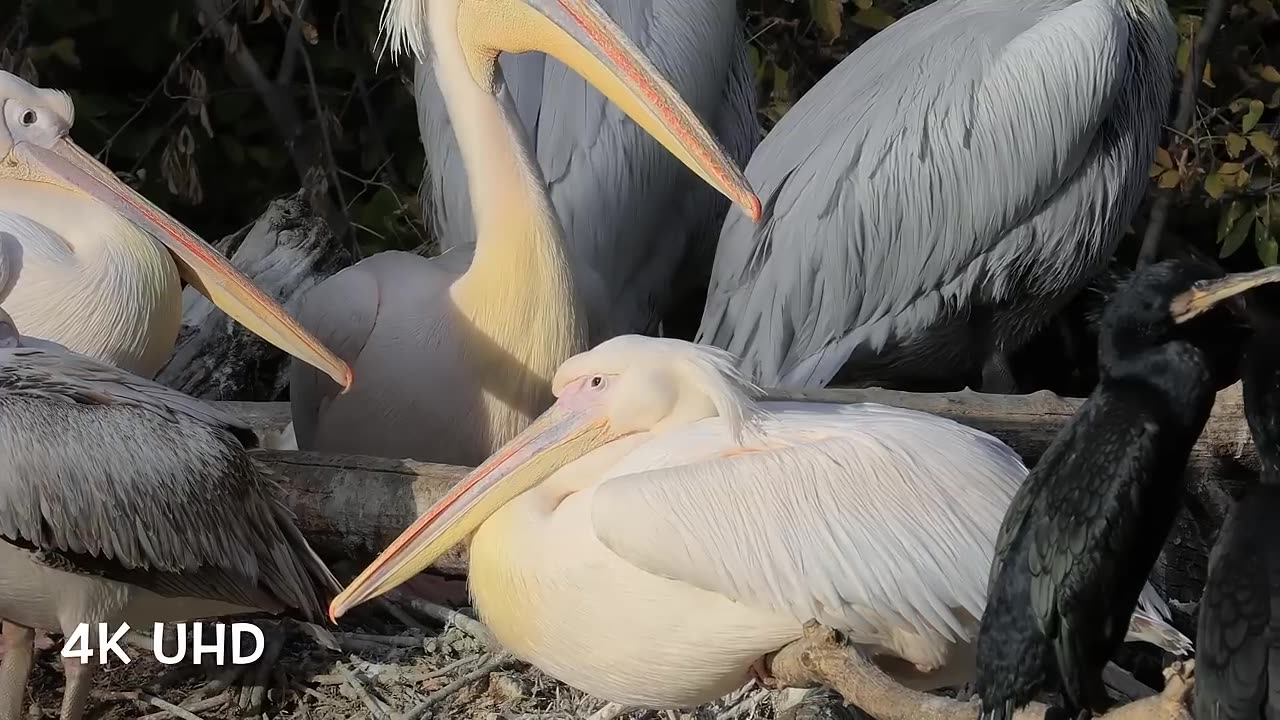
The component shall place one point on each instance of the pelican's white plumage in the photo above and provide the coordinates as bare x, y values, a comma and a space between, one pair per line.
683, 531
691, 542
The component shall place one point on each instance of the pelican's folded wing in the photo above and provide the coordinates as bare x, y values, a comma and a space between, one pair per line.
109, 474
862, 517
902, 184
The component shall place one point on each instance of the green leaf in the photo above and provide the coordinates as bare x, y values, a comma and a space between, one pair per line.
873, 18
1252, 117
1234, 228
827, 14
1236, 145
1215, 186
1267, 247
1263, 143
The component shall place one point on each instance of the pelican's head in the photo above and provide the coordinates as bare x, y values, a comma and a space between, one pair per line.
35, 147
624, 386
580, 34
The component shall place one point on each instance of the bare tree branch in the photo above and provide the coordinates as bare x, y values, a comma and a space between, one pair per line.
1152, 241
822, 657
304, 151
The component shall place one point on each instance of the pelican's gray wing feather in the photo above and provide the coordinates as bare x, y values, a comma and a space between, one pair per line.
110, 474
950, 160
633, 214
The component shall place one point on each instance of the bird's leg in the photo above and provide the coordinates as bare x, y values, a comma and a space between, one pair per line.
760, 671
15, 669
75, 696
997, 375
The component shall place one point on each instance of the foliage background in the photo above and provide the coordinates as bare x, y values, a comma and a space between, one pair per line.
162, 101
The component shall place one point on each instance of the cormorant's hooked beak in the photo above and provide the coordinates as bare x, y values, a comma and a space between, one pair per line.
580, 34
565, 432
66, 165
1207, 294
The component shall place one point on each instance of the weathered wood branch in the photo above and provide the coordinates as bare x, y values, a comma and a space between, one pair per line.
285, 253
353, 506
821, 657
1027, 423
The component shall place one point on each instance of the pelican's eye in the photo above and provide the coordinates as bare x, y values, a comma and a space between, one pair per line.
29, 118
597, 381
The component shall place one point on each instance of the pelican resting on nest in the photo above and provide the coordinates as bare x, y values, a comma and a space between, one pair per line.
658, 531
92, 265
124, 501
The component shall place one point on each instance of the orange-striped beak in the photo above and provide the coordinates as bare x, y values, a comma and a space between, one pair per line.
571, 428
581, 35
65, 165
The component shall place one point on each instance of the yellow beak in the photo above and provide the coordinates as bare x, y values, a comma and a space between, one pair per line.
580, 34
559, 436
1206, 294
69, 167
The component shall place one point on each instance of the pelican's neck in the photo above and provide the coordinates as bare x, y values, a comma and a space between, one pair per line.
516, 226
88, 278
518, 294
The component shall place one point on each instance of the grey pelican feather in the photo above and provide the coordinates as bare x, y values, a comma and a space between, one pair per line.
943, 192
125, 501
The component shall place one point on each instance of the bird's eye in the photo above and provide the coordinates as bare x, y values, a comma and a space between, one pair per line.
597, 381
29, 118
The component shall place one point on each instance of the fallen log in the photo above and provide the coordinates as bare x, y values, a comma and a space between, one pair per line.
354, 506
285, 253
350, 507
1026, 423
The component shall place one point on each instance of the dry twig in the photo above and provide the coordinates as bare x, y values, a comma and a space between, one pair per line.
822, 657
212, 703
377, 709
1152, 240
449, 616
610, 711
494, 663
141, 698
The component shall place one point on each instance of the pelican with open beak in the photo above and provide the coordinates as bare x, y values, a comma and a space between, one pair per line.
95, 266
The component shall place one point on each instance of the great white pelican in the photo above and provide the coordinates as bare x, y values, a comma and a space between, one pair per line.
658, 531
94, 266
454, 354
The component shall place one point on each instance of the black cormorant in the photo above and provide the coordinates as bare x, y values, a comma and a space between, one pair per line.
1239, 628
1085, 528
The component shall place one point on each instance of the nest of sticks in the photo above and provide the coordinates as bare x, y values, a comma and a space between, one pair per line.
411, 659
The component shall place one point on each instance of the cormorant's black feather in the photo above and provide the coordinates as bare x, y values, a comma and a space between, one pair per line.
1238, 638
1085, 528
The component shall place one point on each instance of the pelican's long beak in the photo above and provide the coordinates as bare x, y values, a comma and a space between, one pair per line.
557, 437
1206, 294
581, 35
69, 167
